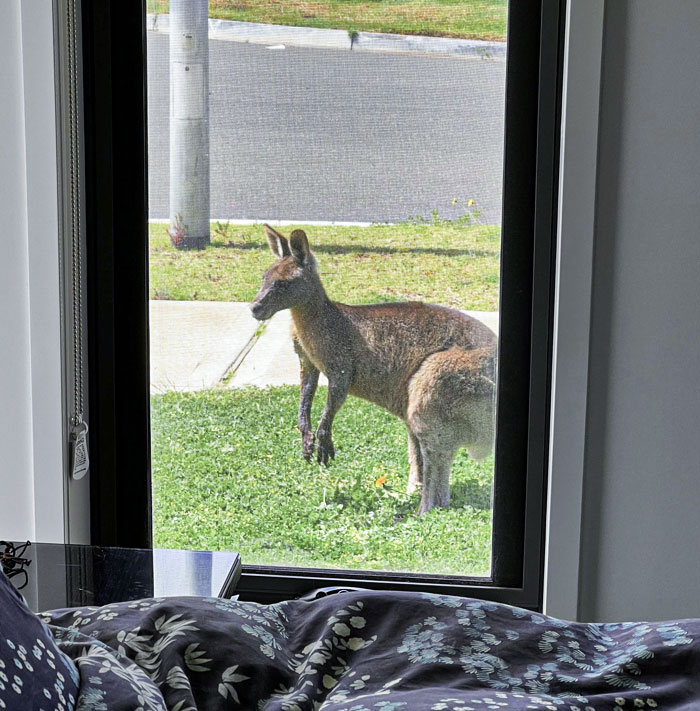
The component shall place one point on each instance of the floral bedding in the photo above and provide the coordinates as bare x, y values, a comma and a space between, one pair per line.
371, 651
34, 673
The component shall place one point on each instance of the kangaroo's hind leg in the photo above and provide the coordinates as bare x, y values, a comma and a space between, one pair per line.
437, 462
415, 460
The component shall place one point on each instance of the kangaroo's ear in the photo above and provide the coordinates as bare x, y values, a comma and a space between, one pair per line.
300, 247
278, 243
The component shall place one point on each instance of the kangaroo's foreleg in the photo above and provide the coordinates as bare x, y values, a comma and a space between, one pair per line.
309, 382
308, 374
337, 393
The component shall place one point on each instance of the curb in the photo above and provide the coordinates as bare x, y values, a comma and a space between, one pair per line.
382, 42
271, 35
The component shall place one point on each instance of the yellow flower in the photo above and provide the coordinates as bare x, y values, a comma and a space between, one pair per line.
470, 203
381, 481
454, 201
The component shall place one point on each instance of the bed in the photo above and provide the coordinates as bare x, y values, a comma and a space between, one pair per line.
370, 651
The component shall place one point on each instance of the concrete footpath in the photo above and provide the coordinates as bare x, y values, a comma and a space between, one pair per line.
199, 345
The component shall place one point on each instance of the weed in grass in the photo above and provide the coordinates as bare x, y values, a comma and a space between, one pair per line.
160, 295
470, 216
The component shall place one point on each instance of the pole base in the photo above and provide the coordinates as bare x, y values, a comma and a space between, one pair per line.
183, 241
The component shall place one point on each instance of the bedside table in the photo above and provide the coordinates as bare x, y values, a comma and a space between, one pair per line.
76, 576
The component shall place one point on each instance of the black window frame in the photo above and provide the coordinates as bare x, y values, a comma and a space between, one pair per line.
116, 182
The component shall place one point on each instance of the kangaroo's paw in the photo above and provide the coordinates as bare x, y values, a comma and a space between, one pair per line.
324, 450
425, 506
428, 502
308, 441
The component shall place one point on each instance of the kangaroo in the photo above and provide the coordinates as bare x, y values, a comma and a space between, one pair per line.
431, 366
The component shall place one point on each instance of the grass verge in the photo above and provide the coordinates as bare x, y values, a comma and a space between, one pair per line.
228, 475
442, 262
472, 19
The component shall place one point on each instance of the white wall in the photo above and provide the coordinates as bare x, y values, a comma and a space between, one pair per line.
31, 451
16, 469
640, 554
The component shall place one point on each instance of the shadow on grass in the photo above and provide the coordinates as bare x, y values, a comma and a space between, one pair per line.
477, 496
363, 249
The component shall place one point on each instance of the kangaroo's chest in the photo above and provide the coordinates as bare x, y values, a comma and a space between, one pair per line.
327, 348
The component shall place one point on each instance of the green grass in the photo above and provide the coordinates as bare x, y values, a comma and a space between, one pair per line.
449, 263
228, 475
474, 19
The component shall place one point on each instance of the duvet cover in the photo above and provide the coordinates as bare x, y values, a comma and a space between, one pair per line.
371, 651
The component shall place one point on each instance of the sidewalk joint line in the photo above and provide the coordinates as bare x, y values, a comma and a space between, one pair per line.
230, 373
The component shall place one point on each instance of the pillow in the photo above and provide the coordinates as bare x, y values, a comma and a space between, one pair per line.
34, 673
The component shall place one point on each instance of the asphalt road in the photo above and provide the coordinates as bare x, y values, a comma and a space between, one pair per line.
336, 135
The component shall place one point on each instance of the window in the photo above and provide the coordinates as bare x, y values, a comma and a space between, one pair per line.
273, 126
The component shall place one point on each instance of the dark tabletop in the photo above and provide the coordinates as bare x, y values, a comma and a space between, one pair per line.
75, 575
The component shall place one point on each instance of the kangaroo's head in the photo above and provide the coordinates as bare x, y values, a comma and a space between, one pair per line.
292, 280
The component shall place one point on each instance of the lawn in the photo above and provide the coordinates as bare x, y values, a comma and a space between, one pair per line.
228, 475
450, 263
473, 19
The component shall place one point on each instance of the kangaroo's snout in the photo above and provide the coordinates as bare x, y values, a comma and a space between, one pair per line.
258, 310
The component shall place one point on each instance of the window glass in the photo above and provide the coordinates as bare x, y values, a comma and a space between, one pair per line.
325, 189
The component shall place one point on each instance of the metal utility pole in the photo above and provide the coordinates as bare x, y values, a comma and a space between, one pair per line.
189, 123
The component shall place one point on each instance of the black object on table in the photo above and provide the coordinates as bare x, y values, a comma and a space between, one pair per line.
76, 576
12, 562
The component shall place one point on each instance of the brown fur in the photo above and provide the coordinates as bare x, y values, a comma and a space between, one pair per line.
432, 366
